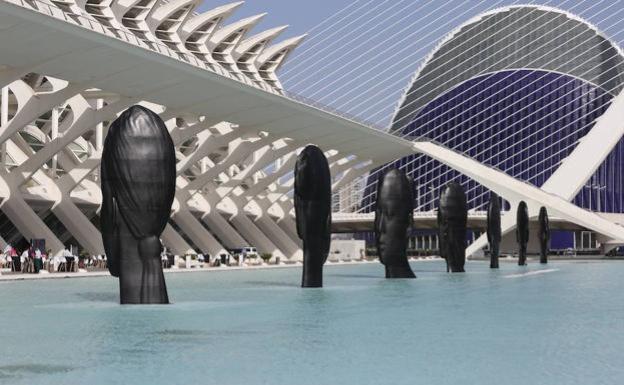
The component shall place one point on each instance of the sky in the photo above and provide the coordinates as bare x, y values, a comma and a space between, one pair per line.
360, 55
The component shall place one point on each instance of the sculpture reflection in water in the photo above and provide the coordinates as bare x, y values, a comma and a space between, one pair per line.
543, 234
393, 220
138, 187
452, 220
522, 232
494, 229
313, 212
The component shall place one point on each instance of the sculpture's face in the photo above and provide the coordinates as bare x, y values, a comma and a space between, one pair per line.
452, 219
523, 222
454, 213
493, 221
312, 195
544, 227
394, 209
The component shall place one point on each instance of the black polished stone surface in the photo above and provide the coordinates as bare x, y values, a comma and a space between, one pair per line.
494, 229
313, 212
522, 232
452, 220
393, 220
138, 188
543, 233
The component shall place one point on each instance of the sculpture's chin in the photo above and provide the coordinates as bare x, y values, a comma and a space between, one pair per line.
401, 271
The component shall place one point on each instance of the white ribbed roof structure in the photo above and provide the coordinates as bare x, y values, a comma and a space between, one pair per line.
69, 68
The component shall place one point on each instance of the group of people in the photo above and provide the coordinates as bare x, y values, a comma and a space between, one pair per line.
30, 259
33, 260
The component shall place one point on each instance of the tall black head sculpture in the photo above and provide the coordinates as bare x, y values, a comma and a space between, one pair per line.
393, 219
494, 229
544, 234
522, 231
138, 187
313, 212
452, 220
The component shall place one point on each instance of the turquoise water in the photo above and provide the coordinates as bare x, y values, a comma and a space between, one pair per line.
564, 326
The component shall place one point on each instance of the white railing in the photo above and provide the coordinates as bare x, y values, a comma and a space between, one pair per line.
337, 217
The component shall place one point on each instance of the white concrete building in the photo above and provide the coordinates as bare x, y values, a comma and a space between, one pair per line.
70, 67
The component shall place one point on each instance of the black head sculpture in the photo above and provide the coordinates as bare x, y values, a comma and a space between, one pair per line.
393, 219
522, 232
452, 221
544, 234
494, 229
138, 188
313, 212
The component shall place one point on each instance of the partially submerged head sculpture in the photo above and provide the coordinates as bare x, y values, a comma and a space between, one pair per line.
313, 212
544, 234
494, 235
522, 232
393, 220
138, 187
452, 221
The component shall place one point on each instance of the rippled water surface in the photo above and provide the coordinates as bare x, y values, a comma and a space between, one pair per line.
564, 325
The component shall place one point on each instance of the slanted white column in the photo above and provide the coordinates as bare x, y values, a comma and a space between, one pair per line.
4, 119
514, 191
99, 128
593, 149
54, 127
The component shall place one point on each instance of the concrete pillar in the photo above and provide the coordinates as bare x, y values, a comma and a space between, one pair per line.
4, 119
99, 128
198, 234
54, 126
251, 232
279, 237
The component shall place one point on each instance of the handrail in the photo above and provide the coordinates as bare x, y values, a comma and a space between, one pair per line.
417, 214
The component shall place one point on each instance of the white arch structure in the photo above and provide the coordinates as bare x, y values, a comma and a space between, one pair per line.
520, 41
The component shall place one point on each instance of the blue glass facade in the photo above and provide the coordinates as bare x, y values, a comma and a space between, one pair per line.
522, 122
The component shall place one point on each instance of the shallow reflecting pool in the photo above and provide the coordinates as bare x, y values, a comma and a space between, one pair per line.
561, 325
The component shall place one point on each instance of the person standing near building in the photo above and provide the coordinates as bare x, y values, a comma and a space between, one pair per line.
38, 260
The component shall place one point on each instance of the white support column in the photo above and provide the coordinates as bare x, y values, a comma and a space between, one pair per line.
4, 119
54, 129
593, 149
99, 129
514, 191
250, 231
174, 241
223, 229
279, 237
195, 231
579, 166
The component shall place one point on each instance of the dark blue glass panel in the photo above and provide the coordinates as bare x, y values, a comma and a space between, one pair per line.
522, 122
